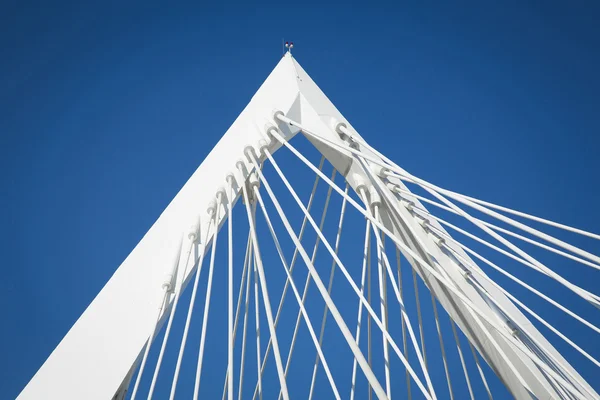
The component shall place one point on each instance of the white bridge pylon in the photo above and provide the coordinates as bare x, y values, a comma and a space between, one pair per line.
100, 355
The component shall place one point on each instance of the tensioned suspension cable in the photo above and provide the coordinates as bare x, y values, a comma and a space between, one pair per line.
329, 287
462, 359
507, 274
461, 259
404, 344
434, 273
540, 267
400, 300
535, 357
481, 374
353, 345
239, 303
383, 305
202, 251
434, 191
297, 295
443, 350
506, 293
292, 265
230, 339
265, 293
167, 289
257, 328
307, 282
402, 174
403, 193
366, 254
404, 248
247, 262
208, 297
334, 311
150, 338
387, 163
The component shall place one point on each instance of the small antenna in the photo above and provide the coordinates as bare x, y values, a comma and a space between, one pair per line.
289, 46
282, 47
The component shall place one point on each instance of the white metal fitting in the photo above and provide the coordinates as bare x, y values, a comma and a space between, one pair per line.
168, 283
221, 191
408, 205
230, 178
392, 186
194, 230
375, 197
440, 241
212, 207
250, 151
512, 328
378, 170
253, 180
466, 274
340, 127
277, 114
352, 144
241, 166
361, 184
271, 133
263, 147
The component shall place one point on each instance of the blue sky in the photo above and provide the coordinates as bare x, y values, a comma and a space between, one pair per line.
106, 109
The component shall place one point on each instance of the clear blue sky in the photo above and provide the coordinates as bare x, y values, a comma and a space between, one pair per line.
106, 109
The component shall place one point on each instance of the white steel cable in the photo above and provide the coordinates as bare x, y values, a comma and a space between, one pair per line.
403, 193
207, 297
474, 269
257, 328
462, 359
369, 336
443, 350
366, 254
408, 251
383, 307
404, 344
439, 194
170, 281
265, 293
434, 273
307, 282
230, 376
329, 287
402, 174
513, 298
150, 338
535, 358
400, 301
297, 295
245, 324
292, 265
239, 303
353, 345
590, 297
481, 374
202, 251
521, 328
419, 316
481, 202
332, 307
387, 163
507, 274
